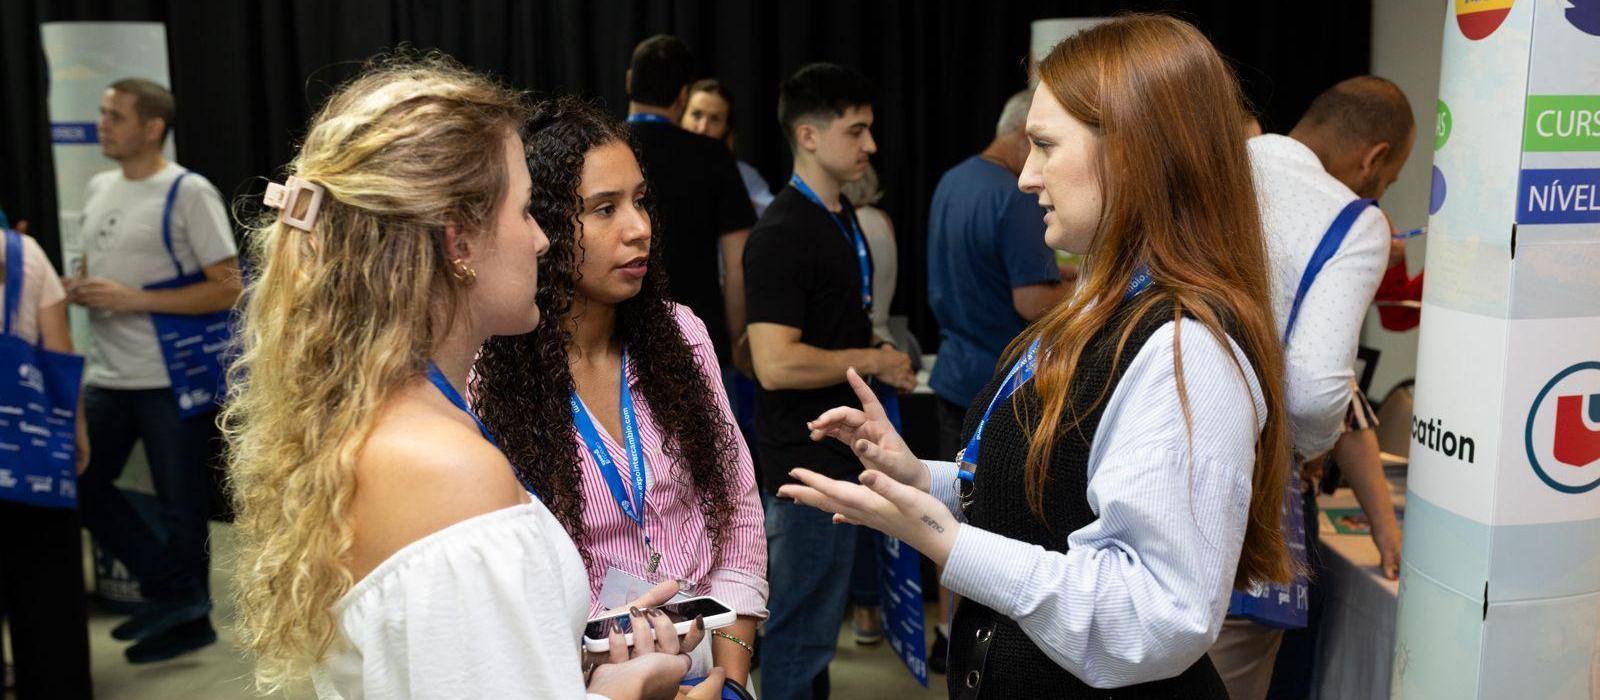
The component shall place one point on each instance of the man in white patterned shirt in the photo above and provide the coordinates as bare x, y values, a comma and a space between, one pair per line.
1350, 144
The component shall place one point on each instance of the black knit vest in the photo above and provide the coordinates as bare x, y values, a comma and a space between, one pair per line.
990, 656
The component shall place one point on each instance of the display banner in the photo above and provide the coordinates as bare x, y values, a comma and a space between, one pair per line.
900, 587
83, 58
1500, 592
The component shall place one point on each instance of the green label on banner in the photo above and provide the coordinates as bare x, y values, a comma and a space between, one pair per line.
1562, 123
1441, 126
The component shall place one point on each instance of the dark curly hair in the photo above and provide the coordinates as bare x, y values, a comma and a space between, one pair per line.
523, 382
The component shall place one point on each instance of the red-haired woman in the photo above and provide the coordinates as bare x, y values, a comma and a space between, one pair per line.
1124, 468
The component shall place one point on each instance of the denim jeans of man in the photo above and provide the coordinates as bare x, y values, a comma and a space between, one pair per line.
810, 560
174, 568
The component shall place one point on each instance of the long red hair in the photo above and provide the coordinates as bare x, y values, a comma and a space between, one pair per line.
1179, 199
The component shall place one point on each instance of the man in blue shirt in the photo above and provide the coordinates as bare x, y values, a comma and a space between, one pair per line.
989, 270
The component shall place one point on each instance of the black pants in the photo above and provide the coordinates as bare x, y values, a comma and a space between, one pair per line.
951, 418
41, 590
175, 566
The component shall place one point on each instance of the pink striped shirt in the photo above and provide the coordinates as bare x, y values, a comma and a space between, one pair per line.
672, 515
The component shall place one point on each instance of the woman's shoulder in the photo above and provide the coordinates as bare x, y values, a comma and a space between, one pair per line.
422, 470
1202, 348
693, 328
1215, 371
871, 212
36, 263
421, 437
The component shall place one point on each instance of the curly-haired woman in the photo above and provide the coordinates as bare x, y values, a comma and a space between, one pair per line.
614, 411
387, 548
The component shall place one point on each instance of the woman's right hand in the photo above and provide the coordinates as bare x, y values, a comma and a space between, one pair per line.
870, 436
649, 677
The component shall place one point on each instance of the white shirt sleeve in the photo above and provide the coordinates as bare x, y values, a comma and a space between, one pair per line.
1322, 349
1142, 591
476, 610
204, 220
942, 485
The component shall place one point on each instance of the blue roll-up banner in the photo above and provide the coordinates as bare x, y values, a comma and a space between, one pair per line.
900, 582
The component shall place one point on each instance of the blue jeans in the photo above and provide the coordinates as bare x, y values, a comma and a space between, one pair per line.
176, 566
810, 559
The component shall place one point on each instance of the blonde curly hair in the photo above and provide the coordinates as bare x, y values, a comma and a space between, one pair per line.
338, 319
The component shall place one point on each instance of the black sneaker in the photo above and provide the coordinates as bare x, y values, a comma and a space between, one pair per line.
175, 641
159, 616
939, 656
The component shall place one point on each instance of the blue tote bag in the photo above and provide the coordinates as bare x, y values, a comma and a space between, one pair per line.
193, 346
38, 408
1287, 606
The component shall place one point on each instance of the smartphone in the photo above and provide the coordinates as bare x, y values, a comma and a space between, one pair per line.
596, 635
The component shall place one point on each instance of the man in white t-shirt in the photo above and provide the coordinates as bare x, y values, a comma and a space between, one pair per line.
1350, 144
128, 397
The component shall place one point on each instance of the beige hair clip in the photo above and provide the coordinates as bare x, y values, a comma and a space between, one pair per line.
298, 199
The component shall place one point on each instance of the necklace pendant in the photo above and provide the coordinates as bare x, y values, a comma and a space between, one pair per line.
654, 563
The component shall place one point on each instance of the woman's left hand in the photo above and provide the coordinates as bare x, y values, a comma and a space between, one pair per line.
883, 504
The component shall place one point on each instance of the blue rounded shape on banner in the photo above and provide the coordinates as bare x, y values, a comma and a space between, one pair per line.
1584, 15
1436, 200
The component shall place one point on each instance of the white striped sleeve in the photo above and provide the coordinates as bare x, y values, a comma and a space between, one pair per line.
1142, 590
942, 485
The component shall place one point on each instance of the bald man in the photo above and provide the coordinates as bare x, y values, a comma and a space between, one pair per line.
1350, 145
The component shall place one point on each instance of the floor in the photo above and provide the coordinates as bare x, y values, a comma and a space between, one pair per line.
221, 672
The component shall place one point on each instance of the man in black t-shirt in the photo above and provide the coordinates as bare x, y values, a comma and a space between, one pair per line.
809, 285
700, 201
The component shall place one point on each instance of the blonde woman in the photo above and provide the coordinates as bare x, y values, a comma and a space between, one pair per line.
387, 549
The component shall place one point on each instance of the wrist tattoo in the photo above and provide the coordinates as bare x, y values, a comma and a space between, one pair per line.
931, 523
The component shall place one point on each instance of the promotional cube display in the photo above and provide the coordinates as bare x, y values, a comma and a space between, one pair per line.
1501, 587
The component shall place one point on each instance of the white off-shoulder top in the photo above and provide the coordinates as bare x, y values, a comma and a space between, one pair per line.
491, 607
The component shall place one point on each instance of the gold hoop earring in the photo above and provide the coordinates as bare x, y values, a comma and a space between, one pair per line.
462, 273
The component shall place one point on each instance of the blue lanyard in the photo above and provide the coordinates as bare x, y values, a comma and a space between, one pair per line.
648, 117
449, 391
455, 398
638, 467
445, 387
852, 233
434, 374
1020, 373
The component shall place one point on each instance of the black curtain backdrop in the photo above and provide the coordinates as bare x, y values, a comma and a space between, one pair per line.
248, 74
